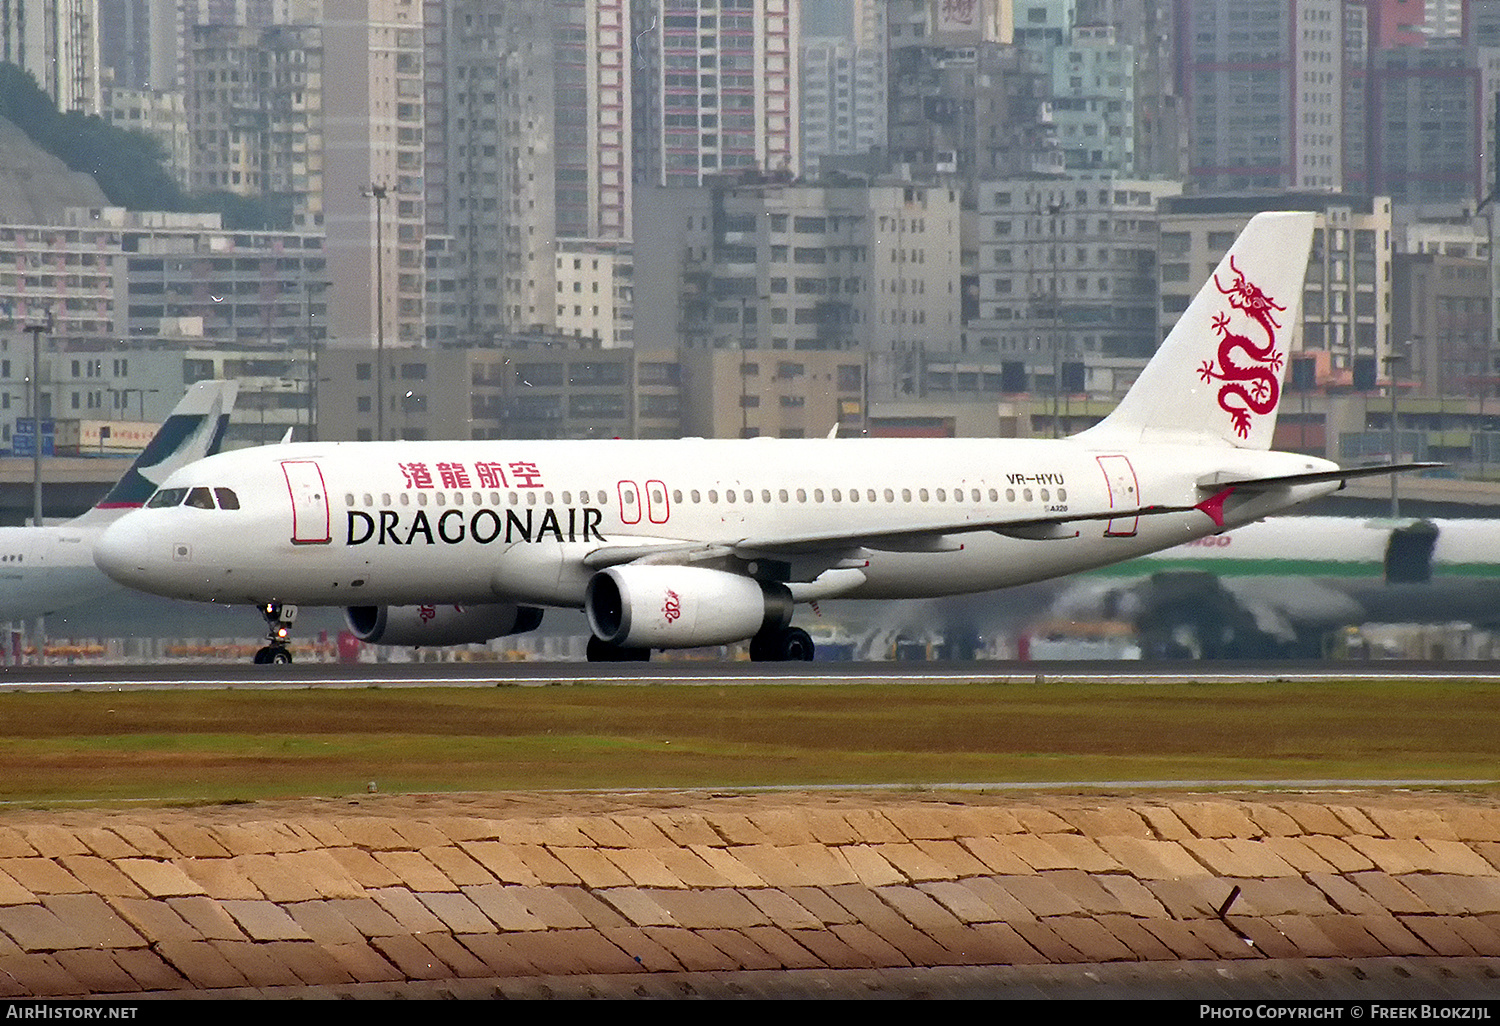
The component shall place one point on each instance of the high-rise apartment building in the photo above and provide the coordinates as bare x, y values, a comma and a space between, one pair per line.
1093, 101
962, 99
528, 163
158, 113
1425, 118
373, 193
1149, 27
138, 43
767, 266
715, 88
1346, 301
1067, 273
254, 107
1265, 90
843, 87
57, 41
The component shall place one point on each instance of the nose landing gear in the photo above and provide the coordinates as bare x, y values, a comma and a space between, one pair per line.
279, 620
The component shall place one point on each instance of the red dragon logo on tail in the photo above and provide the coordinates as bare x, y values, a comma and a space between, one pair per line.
1249, 389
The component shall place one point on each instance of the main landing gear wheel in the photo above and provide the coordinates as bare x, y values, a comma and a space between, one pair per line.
790, 644
601, 651
279, 619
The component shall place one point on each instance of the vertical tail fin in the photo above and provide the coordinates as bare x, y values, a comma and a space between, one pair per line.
1216, 379
194, 429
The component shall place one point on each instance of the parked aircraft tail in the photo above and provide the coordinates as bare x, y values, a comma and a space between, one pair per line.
194, 429
1217, 377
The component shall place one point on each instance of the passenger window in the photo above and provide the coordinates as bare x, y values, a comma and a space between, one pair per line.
229, 500
200, 498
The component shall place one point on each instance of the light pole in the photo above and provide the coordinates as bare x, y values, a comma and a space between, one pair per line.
1391, 362
1055, 209
37, 329
312, 372
378, 194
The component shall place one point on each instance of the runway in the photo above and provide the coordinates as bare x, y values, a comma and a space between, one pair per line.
688, 673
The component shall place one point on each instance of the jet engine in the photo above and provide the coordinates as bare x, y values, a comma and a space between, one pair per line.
439, 625
681, 606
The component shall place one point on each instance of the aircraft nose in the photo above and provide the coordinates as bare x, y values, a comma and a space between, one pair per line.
123, 552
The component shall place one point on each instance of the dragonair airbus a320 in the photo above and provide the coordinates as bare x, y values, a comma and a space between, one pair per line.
676, 544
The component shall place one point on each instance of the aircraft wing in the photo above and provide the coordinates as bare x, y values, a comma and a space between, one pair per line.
830, 548
1227, 480
838, 545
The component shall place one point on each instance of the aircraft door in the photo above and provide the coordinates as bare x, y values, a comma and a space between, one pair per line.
1124, 493
310, 517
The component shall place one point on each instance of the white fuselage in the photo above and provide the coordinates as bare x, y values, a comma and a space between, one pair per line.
47, 569
483, 521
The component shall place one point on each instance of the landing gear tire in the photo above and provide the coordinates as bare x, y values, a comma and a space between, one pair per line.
788, 645
601, 651
279, 619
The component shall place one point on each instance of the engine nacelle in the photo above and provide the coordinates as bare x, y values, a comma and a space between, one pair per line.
439, 625
681, 606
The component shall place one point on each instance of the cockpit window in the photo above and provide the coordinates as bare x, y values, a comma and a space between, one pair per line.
227, 498
167, 497
200, 499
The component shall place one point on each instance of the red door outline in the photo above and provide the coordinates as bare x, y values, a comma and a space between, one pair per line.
655, 515
1124, 493
309, 498
630, 512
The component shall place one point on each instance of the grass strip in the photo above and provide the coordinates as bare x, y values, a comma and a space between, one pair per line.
247, 744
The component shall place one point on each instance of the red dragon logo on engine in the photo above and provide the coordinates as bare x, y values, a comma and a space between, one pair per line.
672, 607
1253, 389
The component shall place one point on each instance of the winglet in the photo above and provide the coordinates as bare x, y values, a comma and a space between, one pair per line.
1213, 506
